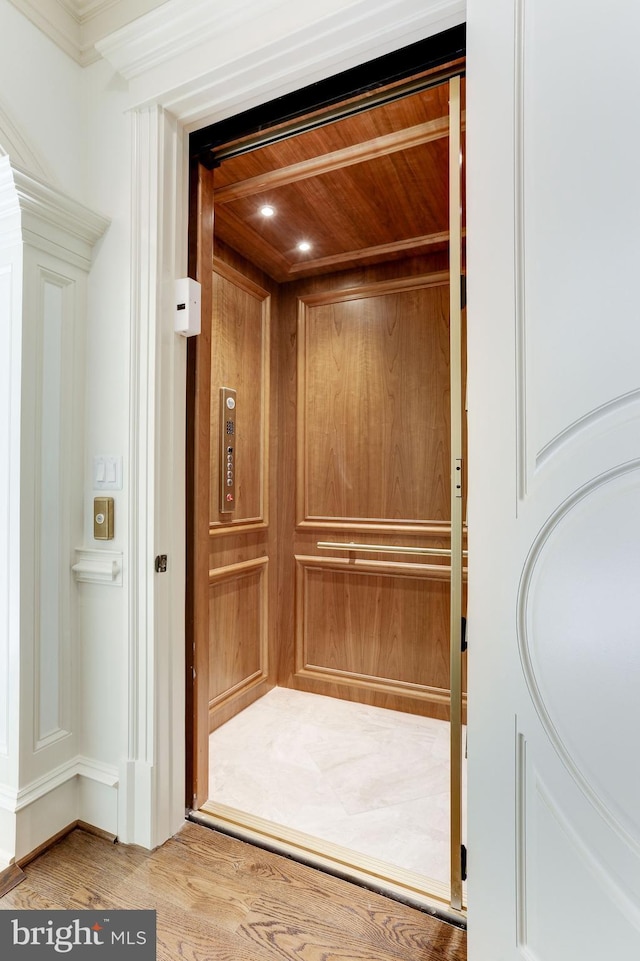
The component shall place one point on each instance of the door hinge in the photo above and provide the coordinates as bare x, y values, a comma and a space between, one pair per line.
463, 291
463, 862
463, 635
161, 564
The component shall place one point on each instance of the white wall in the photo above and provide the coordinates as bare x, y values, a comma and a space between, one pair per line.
59, 760
41, 89
103, 611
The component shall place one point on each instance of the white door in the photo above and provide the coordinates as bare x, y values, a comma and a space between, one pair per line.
553, 141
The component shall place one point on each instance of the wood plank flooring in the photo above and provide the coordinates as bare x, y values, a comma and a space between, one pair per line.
219, 899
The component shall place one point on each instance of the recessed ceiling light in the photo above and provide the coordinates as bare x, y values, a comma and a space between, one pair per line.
304, 245
267, 210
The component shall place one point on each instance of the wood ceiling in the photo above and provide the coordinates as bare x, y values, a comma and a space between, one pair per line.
364, 189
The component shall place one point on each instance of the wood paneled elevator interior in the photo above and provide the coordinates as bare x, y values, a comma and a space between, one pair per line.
320, 440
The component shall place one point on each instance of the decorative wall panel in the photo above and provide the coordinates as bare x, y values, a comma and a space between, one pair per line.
238, 629
577, 607
373, 406
52, 633
240, 360
47, 240
383, 626
553, 859
6, 277
573, 287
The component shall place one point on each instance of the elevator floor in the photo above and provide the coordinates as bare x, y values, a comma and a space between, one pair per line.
369, 779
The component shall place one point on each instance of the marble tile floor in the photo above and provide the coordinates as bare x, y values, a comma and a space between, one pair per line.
369, 779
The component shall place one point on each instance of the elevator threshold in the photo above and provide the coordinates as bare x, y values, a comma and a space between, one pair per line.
422, 892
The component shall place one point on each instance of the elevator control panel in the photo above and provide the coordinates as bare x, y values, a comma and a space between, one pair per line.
228, 410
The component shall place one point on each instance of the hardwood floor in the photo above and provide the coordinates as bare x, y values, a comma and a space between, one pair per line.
218, 899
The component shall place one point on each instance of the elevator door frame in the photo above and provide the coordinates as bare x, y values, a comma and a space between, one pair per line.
326, 856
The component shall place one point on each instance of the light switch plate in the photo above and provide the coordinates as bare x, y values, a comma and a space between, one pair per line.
107, 473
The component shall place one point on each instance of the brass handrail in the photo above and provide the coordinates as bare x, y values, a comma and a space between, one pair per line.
384, 548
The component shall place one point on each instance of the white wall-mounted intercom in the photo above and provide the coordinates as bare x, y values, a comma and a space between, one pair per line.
187, 316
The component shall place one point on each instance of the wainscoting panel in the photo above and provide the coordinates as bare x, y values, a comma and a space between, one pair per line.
7, 441
238, 632
238, 609
380, 628
55, 337
372, 469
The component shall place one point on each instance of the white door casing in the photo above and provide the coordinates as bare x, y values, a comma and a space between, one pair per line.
215, 72
554, 450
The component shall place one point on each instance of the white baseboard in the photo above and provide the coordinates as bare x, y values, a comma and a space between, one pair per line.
82, 789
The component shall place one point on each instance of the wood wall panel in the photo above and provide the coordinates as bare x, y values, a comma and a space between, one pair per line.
375, 626
410, 680
240, 359
238, 630
241, 614
406, 362
373, 406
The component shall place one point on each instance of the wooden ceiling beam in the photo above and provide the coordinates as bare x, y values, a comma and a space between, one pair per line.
336, 160
381, 252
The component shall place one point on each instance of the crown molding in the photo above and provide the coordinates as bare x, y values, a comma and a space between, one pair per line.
273, 35
77, 25
46, 217
137, 35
